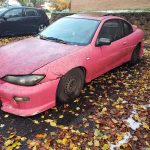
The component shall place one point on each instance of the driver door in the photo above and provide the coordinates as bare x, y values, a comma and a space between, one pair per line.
112, 55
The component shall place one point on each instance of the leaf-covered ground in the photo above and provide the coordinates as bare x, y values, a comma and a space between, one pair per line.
112, 112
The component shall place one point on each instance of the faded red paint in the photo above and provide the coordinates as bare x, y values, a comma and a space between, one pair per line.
37, 56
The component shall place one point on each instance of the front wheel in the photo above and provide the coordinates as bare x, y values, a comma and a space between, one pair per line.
70, 85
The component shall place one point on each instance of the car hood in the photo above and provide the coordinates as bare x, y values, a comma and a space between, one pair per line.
26, 56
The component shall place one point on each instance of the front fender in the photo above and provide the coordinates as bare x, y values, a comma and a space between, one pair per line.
61, 66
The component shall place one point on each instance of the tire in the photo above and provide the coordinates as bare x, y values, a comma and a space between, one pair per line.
70, 86
41, 27
135, 56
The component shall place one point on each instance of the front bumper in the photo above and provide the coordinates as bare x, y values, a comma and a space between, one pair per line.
42, 97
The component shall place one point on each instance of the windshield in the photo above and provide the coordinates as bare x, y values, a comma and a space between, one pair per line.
71, 30
2, 10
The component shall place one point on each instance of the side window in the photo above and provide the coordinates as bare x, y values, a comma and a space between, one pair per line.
127, 28
111, 30
31, 12
13, 13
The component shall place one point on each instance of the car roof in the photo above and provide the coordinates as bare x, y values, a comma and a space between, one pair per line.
95, 16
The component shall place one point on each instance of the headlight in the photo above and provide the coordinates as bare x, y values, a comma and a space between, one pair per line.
24, 80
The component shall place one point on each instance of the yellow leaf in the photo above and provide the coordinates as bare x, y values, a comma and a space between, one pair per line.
34, 148
64, 141
125, 145
17, 147
11, 136
105, 147
96, 143
106, 128
75, 148
119, 137
90, 143
119, 106
23, 138
136, 117
59, 141
76, 101
104, 110
61, 116
78, 108
96, 132
50, 148
49, 120
53, 124
119, 99
36, 121
14, 145
147, 143
9, 148
71, 145
32, 143
146, 126
8, 142
114, 121
104, 137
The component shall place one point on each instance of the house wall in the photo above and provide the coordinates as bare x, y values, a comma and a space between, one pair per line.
91, 5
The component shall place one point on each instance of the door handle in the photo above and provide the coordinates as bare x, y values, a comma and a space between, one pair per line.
124, 43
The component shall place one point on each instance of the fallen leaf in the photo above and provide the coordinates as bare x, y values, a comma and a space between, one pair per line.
8, 142
90, 143
105, 147
146, 126
6, 116
119, 137
53, 124
96, 143
78, 108
114, 121
61, 116
136, 117
96, 133
64, 141
36, 121
40, 136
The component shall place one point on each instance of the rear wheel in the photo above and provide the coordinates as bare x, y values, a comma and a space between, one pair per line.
70, 85
135, 56
41, 27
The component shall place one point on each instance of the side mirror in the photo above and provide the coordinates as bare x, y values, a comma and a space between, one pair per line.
103, 41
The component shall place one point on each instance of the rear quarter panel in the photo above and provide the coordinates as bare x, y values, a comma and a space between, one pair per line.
44, 18
135, 38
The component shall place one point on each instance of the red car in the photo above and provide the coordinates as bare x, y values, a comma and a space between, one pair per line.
55, 65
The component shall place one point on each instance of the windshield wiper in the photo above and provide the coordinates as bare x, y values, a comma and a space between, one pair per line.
52, 39
57, 40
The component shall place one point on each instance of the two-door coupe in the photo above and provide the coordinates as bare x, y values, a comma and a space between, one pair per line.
55, 65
